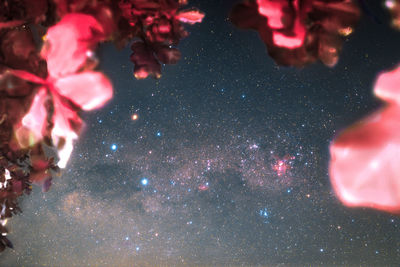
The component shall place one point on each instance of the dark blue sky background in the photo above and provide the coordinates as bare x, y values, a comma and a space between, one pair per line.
191, 182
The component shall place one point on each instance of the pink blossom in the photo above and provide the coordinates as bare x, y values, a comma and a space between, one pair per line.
67, 89
69, 42
365, 162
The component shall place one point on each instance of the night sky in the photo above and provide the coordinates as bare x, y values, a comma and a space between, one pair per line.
193, 181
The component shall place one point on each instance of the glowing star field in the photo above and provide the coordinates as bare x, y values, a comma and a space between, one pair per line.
228, 159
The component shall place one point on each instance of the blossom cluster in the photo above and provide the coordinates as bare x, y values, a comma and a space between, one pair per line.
299, 32
48, 76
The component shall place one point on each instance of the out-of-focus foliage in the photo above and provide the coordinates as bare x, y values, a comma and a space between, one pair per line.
394, 8
159, 26
299, 32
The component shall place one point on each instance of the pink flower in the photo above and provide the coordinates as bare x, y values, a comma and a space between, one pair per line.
365, 158
66, 90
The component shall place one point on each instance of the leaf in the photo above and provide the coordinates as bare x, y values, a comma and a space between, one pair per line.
168, 55
145, 62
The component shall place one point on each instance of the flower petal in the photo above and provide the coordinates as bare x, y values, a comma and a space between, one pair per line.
88, 89
190, 16
275, 11
64, 131
365, 163
68, 43
387, 86
34, 122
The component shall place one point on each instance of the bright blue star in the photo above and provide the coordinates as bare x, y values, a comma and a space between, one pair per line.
137, 248
289, 190
114, 147
144, 181
158, 134
264, 213
243, 96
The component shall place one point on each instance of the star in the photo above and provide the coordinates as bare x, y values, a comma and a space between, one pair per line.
135, 117
264, 213
144, 181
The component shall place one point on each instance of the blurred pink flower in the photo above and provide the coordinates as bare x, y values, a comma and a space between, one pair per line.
365, 158
67, 89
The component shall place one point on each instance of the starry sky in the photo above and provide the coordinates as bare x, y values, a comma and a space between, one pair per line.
224, 164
